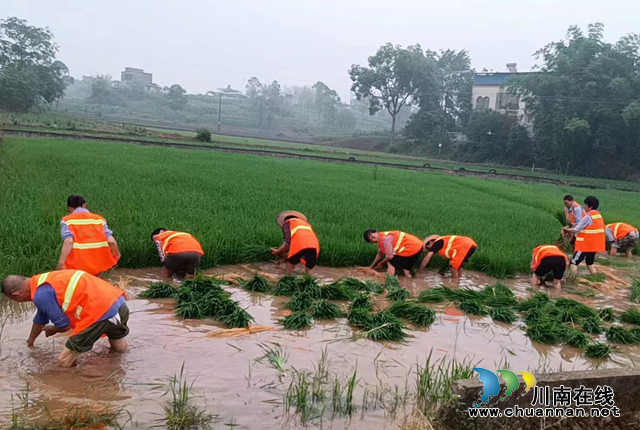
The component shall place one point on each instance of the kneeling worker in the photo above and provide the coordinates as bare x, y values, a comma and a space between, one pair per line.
88, 244
72, 300
623, 237
179, 252
458, 249
590, 237
547, 259
398, 250
300, 242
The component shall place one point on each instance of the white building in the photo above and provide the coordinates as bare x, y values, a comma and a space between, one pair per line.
488, 92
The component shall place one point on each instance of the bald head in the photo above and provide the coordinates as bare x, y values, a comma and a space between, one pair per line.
16, 288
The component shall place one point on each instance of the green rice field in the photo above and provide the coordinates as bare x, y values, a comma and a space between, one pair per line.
229, 202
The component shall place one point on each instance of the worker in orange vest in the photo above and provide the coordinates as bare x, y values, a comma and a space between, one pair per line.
590, 237
72, 300
87, 242
300, 242
398, 250
623, 237
179, 252
458, 249
573, 214
547, 259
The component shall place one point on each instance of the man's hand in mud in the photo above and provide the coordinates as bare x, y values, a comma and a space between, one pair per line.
30, 343
50, 330
380, 266
274, 251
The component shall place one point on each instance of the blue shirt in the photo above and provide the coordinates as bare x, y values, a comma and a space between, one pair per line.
65, 232
49, 309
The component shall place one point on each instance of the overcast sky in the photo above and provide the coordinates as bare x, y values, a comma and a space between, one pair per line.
206, 44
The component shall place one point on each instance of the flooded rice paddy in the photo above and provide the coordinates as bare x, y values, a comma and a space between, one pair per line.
241, 389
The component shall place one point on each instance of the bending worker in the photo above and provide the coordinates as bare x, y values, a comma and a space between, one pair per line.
458, 249
87, 242
300, 242
398, 250
590, 237
548, 259
72, 300
573, 214
623, 237
179, 252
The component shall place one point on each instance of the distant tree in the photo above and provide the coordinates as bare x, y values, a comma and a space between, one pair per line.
29, 71
393, 79
176, 97
345, 119
326, 101
265, 101
102, 91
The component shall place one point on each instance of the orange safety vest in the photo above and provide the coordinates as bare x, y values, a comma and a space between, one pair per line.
302, 237
90, 252
543, 251
176, 242
592, 238
620, 230
456, 249
83, 298
404, 244
568, 213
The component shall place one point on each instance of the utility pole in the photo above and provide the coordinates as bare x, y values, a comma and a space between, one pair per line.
219, 110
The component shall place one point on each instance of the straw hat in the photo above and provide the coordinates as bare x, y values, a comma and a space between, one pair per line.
282, 215
432, 237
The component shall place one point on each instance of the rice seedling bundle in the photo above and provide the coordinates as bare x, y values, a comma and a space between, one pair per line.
417, 314
500, 302
535, 301
359, 316
300, 302
258, 284
384, 326
597, 350
607, 314
297, 321
190, 310
158, 290
473, 307
337, 291
576, 338
498, 290
396, 294
542, 312
362, 301
621, 335
631, 316
286, 286
635, 291
391, 282
237, 318
463, 294
548, 332
577, 309
324, 310
437, 295
372, 286
503, 314
592, 326
353, 283
309, 285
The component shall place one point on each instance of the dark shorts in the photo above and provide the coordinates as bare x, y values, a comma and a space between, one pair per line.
580, 256
472, 251
309, 255
555, 264
405, 263
184, 263
83, 341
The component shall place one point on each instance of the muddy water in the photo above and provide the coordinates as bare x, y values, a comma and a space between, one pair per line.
237, 388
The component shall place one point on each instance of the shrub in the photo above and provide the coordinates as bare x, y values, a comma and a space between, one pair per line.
203, 135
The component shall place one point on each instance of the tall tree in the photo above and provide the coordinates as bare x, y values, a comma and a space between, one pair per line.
176, 97
326, 102
29, 71
393, 79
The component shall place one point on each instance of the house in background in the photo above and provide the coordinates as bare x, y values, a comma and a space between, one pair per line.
488, 92
140, 78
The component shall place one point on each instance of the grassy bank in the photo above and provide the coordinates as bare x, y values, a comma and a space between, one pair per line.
229, 202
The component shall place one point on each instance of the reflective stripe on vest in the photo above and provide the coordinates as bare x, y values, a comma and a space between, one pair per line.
71, 288
166, 241
91, 245
449, 245
42, 279
592, 231
300, 227
615, 231
397, 248
540, 250
84, 222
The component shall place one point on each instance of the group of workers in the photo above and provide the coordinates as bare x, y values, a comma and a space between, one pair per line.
73, 297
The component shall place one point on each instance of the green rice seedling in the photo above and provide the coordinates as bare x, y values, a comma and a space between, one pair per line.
276, 356
503, 314
239, 318
297, 321
579, 310
607, 314
391, 282
400, 308
434, 381
500, 302
159, 290
180, 414
337, 291
621, 335
417, 314
635, 331
309, 285
353, 283
576, 338
542, 312
635, 291
473, 307
535, 301
498, 290
597, 350
190, 310
202, 284
372, 286
300, 302
592, 326
631, 316
324, 310
362, 301
286, 286
466, 294
359, 316
587, 294
258, 284
384, 326
548, 332
437, 295
598, 277
396, 294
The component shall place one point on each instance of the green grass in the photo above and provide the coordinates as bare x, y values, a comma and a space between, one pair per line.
158, 290
635, 291
597, 351
631, 316
237, 226
621, 335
